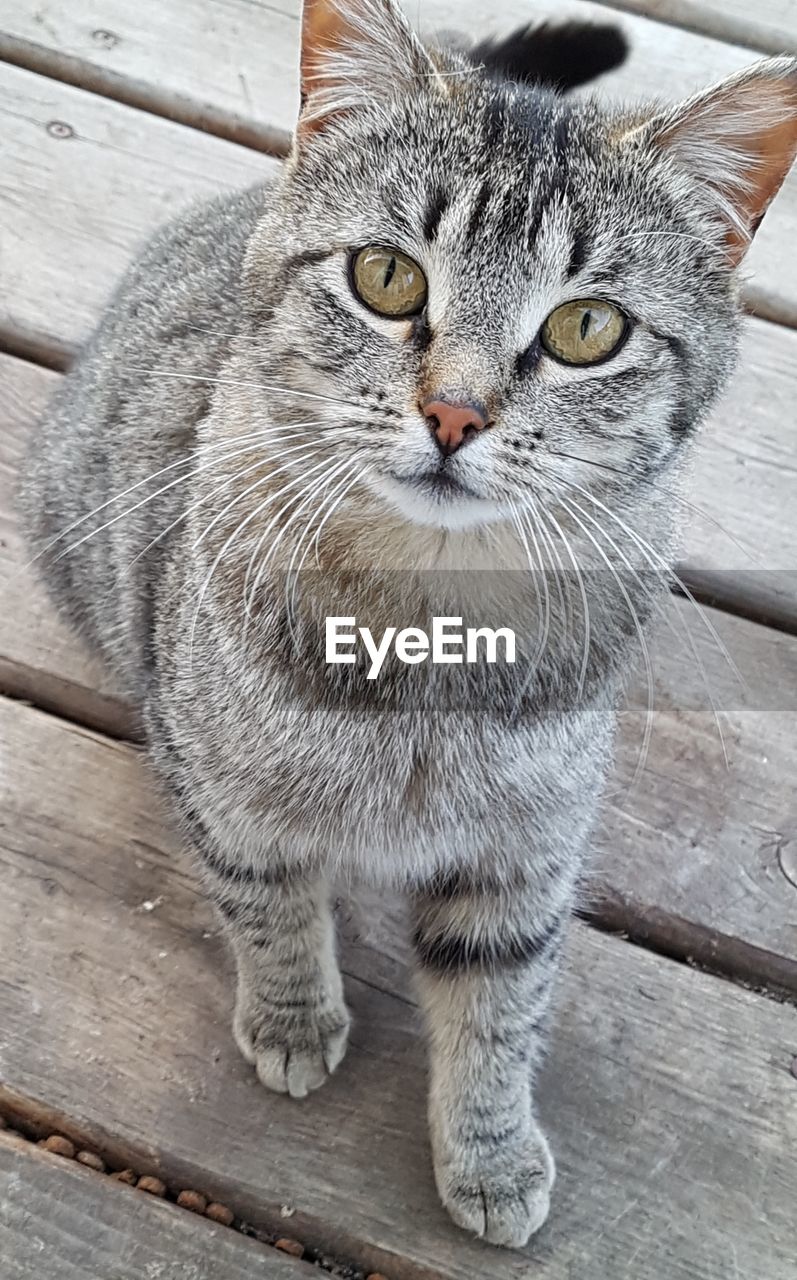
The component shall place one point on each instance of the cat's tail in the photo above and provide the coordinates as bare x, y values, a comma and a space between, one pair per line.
561, 56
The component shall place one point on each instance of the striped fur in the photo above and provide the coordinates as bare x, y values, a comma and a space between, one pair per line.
239, 412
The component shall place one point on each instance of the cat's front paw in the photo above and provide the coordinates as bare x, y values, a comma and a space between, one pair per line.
293, 1050
503, 1197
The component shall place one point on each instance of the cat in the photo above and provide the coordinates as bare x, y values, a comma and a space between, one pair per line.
472, 327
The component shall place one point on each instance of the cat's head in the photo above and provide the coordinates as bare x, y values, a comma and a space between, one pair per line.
504, 297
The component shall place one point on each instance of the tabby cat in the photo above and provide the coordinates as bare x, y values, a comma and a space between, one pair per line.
471, 327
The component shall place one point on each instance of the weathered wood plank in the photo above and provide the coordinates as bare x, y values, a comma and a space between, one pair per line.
214, 66
84, 181
58, 1219
689, 834
701, 832
668, 1096
236, 74
769, 26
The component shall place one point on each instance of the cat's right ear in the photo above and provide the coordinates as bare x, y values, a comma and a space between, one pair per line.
355, 52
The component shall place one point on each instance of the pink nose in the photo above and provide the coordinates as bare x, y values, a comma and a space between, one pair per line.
453, 422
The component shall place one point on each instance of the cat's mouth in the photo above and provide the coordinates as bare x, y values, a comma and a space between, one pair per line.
436, 482
436, 497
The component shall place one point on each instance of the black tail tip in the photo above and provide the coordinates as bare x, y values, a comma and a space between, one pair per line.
561, 56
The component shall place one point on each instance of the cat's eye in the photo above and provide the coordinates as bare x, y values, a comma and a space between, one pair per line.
388, 282
584, 332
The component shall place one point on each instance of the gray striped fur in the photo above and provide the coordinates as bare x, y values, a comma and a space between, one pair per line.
474, 792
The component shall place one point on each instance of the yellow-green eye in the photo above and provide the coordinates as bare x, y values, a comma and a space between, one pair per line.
584, 332
388, 282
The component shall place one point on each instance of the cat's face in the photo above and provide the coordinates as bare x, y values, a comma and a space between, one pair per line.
505, 297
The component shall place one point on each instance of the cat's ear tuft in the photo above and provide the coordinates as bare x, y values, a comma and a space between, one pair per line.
355, 52
738, 139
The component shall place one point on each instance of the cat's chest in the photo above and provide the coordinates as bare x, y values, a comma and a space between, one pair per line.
393, 788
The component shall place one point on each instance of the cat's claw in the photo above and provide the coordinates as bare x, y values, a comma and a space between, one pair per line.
507, 1200
300, 1058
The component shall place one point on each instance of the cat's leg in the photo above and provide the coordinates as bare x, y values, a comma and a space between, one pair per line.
486, 960
290, 1021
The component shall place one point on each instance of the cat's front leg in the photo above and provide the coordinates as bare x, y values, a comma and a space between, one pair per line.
486, 959
290, 1021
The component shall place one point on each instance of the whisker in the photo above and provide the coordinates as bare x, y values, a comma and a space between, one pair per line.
557, 569
543, 609
242, 524
311, 490
666, 613
584, 600
670, 493
149, 498
208, 497
643, 754
240, 382
291, 602
660, 565
184, 461
316, 539
249, 593
261, 462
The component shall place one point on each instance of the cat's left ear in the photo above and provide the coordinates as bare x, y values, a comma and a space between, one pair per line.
355, 52
738, 140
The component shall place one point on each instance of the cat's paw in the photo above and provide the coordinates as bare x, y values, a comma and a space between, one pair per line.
292, 1054
503, 1198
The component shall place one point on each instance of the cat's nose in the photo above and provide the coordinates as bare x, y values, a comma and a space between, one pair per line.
453, 422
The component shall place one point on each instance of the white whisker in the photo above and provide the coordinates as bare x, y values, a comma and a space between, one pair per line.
668, 619
184, 461
249, 593
291, 602
307, 494
643, 754
660, 565
240, 382
584, 601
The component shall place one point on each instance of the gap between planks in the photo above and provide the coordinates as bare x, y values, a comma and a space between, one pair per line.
726, 20
144, 96
604, 907
193, 109
54, 1207
701, 1064
254, 1222
26, 1124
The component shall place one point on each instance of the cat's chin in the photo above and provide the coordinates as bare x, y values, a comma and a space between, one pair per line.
447, 505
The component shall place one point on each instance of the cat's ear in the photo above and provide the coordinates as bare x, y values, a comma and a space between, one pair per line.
738, 139
355, 52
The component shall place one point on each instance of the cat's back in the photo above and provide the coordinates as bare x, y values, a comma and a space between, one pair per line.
128, 410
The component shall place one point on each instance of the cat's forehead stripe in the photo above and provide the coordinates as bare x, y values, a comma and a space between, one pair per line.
579, 252
439, 201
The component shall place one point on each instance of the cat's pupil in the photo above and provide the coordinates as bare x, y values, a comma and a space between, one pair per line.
586, 321
390, 272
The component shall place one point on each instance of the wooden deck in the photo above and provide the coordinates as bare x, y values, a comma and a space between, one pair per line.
671, 1090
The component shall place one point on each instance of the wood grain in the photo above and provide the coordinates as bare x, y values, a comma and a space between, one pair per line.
62, 1221
236, 74
699, 831
84, 182
668, 1095
768, 26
